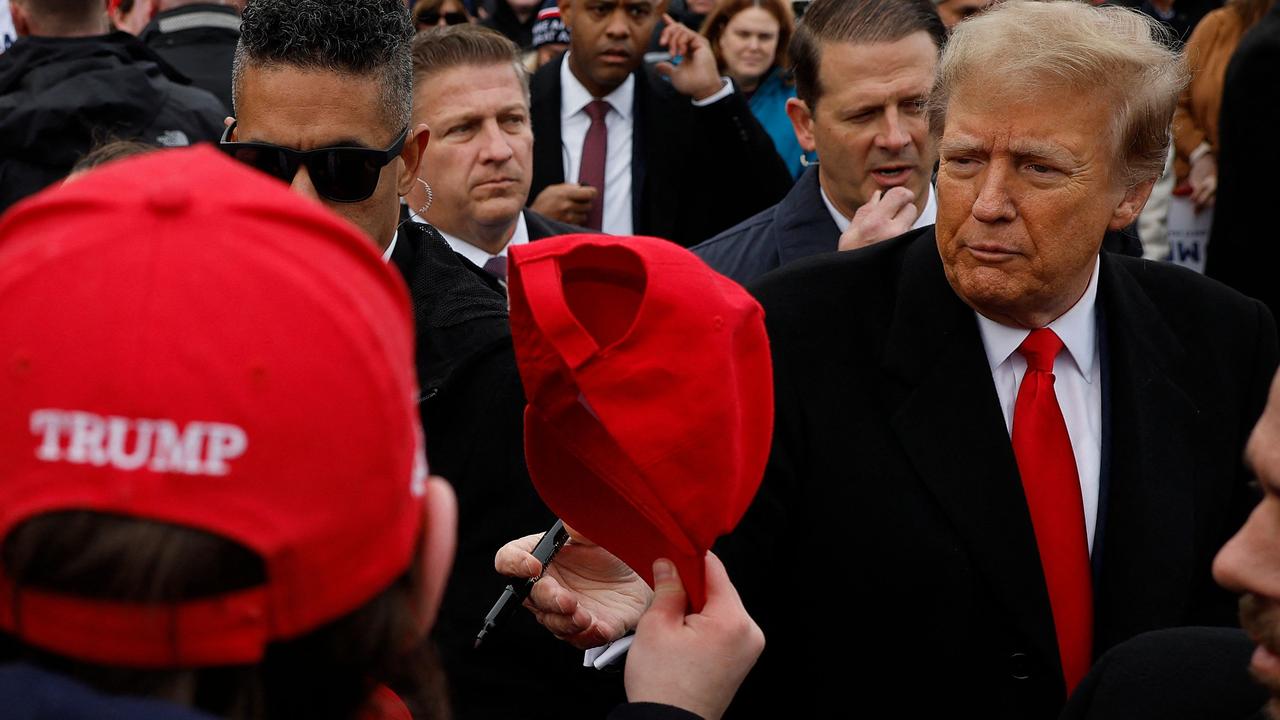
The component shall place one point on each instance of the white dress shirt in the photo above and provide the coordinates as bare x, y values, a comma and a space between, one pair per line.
927, 217
620, 124
477, 255
1077, 383
386, 254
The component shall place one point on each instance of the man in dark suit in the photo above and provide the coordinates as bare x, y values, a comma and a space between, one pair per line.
472, 91
1242, 250
674, 153
872, 60
471, 400
998, 450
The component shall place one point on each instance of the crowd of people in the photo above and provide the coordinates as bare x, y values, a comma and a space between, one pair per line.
266, 421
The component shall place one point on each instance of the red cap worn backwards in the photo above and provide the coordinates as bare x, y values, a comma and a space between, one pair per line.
184, 340
650, 395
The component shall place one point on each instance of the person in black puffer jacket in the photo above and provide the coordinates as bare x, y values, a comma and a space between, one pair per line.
67, 84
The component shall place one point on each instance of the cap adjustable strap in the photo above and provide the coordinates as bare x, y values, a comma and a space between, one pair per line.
229, 629
541, 278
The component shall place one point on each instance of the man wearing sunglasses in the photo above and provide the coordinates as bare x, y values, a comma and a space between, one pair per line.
323, 95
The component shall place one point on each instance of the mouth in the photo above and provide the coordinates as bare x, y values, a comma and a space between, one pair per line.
615, 57
990, 252
496, 184
1265, 666
887, 176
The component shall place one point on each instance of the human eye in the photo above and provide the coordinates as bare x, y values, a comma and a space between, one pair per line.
1040, 169
513, 120
599, 10
914, 106
461, 129
639, 10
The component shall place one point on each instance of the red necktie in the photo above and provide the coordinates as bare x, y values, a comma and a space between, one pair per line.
595, 147
1052, 487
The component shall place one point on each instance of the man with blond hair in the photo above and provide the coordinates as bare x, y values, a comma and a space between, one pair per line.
1013, 450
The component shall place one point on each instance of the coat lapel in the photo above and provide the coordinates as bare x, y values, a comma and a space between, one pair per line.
548, 158
803, 226
1145, 540
949, 421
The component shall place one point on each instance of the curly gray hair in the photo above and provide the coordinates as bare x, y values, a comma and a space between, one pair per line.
349, 37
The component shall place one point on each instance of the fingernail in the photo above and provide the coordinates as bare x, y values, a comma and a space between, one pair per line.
663, 570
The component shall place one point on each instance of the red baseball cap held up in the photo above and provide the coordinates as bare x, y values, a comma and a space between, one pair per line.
184, 340
650, 395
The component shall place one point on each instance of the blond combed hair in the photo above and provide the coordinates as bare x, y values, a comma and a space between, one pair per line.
1028, 49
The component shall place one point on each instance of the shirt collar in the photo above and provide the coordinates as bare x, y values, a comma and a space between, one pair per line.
1077, 328
574, 97
479, 257
386, 254
927, 217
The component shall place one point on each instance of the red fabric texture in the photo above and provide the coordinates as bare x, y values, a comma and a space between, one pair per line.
595, 151
650, 395
182, 292
1051, 484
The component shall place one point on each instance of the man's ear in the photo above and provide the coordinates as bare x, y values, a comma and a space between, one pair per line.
435, 553
21, 23
1135, 197
566, 14
411, 155
802, 122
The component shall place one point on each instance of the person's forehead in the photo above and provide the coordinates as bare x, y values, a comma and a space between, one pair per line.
306, 108
467, 88
860, 71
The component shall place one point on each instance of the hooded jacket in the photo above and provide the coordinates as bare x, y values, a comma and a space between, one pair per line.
61, 96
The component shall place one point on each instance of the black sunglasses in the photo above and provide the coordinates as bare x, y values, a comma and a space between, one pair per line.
432, 17
340, 174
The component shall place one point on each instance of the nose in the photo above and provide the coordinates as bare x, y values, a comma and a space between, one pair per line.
993, 203
617, 27
893, 135
1249, 562
496, 148
302, 184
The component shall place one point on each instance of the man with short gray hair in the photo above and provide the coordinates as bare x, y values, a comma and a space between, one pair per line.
998, 449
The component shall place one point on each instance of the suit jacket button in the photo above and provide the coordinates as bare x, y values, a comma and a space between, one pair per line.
1020, 666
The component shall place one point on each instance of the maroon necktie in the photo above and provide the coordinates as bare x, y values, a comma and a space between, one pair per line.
497, 267
1051, 483
595, 147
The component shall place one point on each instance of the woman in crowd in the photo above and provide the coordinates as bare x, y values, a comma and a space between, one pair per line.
749, 39
1195, 123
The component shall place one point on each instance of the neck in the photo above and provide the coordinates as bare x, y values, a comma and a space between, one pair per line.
165, 5
747, 84
87, 29
489, 238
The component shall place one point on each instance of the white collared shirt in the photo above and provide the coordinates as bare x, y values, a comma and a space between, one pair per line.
927, 217
1077, 383
477, 255
620, 124
386, 254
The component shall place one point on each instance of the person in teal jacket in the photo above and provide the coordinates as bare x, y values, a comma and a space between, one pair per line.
749, 39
